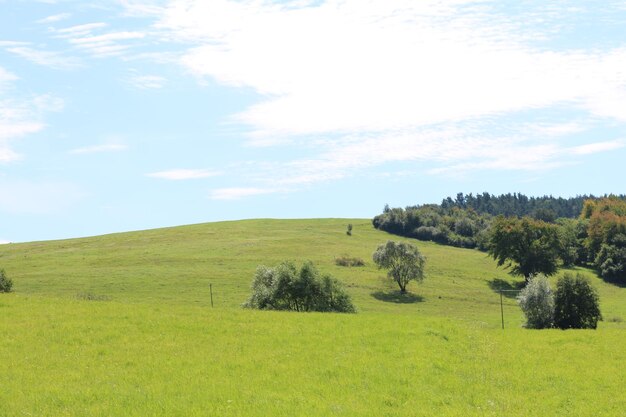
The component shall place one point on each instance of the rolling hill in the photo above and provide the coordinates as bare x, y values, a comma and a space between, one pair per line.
122, 324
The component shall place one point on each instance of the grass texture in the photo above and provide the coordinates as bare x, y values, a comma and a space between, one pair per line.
121, 325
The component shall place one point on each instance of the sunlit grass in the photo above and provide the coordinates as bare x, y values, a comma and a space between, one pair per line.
176, 266
105, 358
121, 325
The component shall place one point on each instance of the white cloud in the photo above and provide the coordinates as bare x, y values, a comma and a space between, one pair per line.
80, 30
106, 45
4, 242
184, 174
6, 44
237, 193
106, 39
6, 77
107, 147
55, 18
598, 147
381, 65
20, 117
141, 8
46, 58
11, 128
367, 83
147, 82
85, 38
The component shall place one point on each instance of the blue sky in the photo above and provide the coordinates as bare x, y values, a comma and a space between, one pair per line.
126, 115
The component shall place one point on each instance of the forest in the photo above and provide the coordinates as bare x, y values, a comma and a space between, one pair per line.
587, 230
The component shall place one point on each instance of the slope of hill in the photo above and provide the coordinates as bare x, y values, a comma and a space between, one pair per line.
121, 325
176, 266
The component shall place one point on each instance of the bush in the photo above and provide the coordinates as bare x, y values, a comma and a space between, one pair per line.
537, 303
6, 284
348, 261
286, 287
611, 262
576, 303
426, 233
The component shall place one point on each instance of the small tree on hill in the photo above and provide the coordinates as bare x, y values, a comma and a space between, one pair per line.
537, 302
576, 303
5, 282
403, 260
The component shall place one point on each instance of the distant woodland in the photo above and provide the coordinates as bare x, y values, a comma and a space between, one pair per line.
588, 230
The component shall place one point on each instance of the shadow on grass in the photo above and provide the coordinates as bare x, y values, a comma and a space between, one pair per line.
620, 283
397, 297
508, 290
615, 282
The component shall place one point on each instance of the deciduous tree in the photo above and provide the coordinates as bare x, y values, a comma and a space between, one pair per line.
403, 260
527, 246
576, 303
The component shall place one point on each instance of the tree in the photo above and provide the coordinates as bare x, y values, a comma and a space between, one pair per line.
611, 262
286, 287
570, 244
576, 303
537, 302
525, 245
606, 236
403, 260
5, 282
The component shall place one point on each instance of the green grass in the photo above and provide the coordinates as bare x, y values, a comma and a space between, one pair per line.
63, 357
121, 325
176, 266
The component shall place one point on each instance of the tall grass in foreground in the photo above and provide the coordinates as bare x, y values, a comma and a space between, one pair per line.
103, 358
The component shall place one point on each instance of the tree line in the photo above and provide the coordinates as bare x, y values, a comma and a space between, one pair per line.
528, 235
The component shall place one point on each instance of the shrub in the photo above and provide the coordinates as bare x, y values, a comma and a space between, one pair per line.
349, 261
349, 230
537, 303
426, 233
6, 284
611, 262
576, 303
286, 287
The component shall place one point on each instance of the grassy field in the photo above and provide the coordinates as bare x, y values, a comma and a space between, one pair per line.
121, 325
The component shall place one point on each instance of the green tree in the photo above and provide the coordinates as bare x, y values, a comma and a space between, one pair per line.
576, 303
286, 287
403, 260
537, 302
525, 245
5, 282
569, 244
611, 262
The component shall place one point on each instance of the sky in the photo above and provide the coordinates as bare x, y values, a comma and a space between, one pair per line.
133, 114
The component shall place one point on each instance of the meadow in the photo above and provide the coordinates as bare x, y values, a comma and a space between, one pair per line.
122, 325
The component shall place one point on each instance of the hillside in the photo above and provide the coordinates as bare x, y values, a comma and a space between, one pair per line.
121, 325
176, 266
